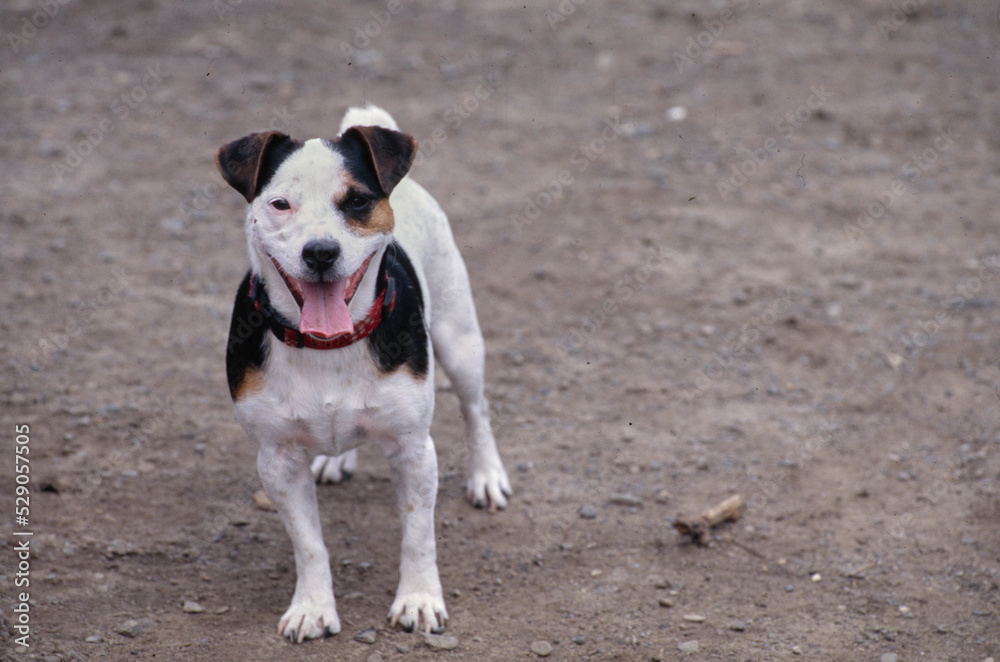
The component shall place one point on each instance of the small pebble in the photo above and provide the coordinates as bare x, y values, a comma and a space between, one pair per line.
541, 648
375, 657
666, 602
789, 588
441, 642
694, 618
402, 649
579, 640
816, 577
888, 657
129, 628
192, 607
262, 501
689, 646
797, 650
94, 639
625, 500
588, 512
737, 626
366, 637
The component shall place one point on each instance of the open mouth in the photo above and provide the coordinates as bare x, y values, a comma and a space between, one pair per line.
324, 304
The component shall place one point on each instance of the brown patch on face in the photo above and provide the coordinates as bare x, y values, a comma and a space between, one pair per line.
252, 381
375, 217
382, 218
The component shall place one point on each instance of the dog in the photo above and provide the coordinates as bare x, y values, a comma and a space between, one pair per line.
355, 287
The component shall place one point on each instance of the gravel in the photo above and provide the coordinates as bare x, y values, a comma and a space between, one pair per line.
366, 637
129, 628
542, 648
588, 512
441, 642
192, 607
689, 646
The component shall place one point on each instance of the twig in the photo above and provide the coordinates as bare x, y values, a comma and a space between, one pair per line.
698, 526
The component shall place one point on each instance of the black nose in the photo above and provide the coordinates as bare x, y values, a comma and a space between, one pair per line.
320, 254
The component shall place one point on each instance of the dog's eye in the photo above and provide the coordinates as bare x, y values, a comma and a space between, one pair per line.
357, 202
280, 204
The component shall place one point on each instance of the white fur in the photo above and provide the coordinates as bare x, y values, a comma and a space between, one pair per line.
317, 406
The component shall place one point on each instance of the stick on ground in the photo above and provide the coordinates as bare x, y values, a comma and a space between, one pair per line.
698, 527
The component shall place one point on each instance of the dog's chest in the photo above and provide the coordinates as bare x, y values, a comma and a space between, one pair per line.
332, 403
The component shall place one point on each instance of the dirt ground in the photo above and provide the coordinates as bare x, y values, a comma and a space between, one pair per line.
717, 247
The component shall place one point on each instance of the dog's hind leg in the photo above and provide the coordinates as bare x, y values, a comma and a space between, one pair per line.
458, 345
335, 468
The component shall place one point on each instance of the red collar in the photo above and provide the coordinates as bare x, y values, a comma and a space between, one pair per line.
384, 302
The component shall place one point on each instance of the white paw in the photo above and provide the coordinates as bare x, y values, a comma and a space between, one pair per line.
334, 468
306, 620
419, 611
489, 487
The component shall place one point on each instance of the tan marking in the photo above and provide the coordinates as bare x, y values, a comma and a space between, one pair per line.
380, 218
252, 382
410, 508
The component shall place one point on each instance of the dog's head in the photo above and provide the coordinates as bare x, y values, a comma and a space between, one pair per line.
319, 211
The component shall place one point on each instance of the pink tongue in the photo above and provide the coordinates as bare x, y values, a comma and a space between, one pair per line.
324, 311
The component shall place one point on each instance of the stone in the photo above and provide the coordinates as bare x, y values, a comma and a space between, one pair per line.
441, 642
689, 646
192, 607
129, 628
542, 648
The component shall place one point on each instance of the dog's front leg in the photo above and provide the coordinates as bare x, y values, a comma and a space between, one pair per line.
419, 602
288, 481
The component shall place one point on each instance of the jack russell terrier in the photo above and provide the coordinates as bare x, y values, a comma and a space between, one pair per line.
355, 285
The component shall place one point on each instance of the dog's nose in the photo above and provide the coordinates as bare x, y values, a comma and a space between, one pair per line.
320, 254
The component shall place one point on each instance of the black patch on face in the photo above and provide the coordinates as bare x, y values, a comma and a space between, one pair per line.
276, 153
357, 164
246, 350
401, 338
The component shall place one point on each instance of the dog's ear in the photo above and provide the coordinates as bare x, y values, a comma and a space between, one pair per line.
241, 162
389, 153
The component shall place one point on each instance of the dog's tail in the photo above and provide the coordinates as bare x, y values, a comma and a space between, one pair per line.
370, 115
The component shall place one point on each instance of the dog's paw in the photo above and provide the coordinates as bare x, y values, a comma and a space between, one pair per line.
419, 611
309, 621
334, 468
489, 487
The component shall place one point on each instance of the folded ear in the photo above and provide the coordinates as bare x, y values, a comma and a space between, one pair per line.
242, 162
389, 153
